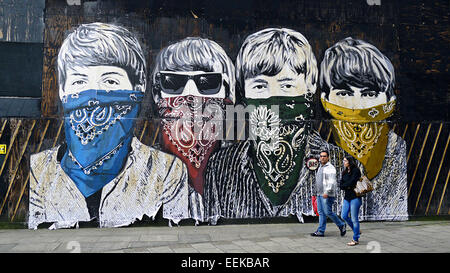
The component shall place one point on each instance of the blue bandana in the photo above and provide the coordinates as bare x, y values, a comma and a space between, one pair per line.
99, 128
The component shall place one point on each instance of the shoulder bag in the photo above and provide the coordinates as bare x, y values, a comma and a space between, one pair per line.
363, 186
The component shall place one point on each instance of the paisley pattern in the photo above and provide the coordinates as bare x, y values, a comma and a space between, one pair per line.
93, 120
98, 126
264, 123
359, 138
193, 124
365, 141
363, 133
280, 129
278, 148
233, 190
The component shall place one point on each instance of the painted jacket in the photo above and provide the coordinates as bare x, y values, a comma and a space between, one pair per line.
149, 180
232, 190
389, 200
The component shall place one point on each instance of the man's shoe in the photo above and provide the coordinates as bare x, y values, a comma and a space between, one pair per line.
343, 230
317, 234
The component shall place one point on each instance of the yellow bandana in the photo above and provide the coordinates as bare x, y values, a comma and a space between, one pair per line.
361, 134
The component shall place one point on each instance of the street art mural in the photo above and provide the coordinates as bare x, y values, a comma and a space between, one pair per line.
193, 81
267, 177
357, 83
195, 114
162, 112
102, 171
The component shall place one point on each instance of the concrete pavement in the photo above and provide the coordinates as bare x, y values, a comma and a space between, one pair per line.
383, 237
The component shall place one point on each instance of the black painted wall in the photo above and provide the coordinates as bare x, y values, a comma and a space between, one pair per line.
413, 34
21, 48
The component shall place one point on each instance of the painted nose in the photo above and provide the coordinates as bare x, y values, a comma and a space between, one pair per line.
92, 85
190, 89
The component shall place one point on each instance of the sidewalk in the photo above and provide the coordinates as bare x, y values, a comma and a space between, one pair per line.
384, 237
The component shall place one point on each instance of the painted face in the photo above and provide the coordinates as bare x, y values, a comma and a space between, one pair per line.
192, 83
286, 83
82, 78
356, 98
192, 108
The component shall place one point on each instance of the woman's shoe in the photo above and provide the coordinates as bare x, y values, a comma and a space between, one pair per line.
353, 243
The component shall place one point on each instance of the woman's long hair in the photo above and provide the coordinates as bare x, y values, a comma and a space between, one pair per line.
351, 164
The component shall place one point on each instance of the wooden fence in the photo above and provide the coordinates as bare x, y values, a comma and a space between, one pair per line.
427, 144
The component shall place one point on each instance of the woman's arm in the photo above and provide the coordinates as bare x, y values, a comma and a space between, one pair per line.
355, 174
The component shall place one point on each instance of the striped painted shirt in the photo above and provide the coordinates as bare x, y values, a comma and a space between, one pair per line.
232, 190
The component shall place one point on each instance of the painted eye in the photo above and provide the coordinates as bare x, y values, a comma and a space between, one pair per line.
111, 82
369, 94
78, 82
344, 94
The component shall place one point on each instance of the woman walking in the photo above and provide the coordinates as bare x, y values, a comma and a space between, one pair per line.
352, 203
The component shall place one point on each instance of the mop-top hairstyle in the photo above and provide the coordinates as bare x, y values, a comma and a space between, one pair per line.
266, 52
352, 62
195, 54
98, 44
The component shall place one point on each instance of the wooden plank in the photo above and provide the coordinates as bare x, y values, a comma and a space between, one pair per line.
13, 138
428, 167
412, 143
443, 194
28, 174
418, 160
13, 176
437, 175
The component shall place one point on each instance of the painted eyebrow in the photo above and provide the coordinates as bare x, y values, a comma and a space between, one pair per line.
369, 89
78, 74
112, 73
285, 79
259, 81
343, 87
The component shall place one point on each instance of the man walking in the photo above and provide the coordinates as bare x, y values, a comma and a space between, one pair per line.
325, 190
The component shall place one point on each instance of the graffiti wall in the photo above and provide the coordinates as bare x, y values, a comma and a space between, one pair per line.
199, 113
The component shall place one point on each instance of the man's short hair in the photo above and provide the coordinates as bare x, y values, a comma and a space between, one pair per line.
266, 52
195, 54
352, 62
325, 151
98, 44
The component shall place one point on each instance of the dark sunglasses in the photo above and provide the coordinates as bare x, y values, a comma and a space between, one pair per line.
173, 84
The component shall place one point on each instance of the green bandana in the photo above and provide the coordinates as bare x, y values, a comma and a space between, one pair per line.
280, 139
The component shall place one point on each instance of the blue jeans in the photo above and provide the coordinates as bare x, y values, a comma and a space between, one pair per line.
352, 206
324, 207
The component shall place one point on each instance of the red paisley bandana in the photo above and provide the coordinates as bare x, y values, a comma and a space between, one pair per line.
192, 127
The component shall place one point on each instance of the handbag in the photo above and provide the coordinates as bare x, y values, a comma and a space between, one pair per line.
314, 204
363, 186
